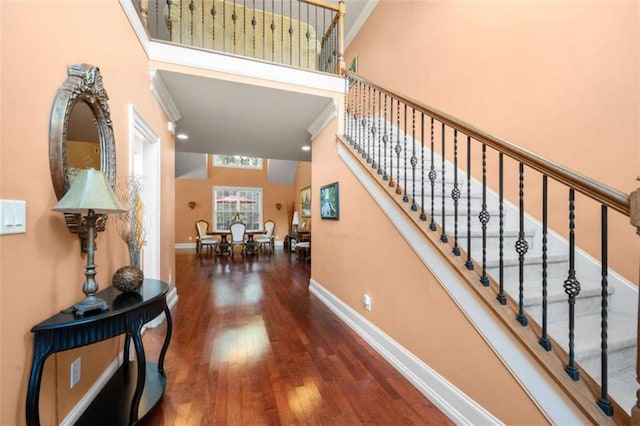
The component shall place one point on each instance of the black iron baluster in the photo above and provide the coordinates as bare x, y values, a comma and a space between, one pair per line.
345, 130
544, 339
469, 262
224, 25
405, 198
213, 26
290, 33
299, 35
253, 28
572, 288
367, 153
521, 248
273, 31
390, 153
169, 24
423, 216
502, 299
455, 193
398, 150
443, 235
363, 123
432, 179
264, 48
484, 218
234, 17
244, 27
414, 161
385, 140
308, 35
282, 32
377, 165
603, 402
192, 7
201, 24
181, 21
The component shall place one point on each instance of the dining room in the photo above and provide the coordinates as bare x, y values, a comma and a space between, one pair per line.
245, 190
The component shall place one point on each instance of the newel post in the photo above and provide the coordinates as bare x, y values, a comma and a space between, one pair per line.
341, 12
634, 217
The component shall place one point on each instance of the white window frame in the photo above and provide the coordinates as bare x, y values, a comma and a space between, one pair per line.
235, 190
214, 162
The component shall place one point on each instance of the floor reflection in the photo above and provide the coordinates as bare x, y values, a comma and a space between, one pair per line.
244, 344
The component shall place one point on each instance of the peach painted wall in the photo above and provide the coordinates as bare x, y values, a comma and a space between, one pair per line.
559, 78
364, 253
201, 191
41, 271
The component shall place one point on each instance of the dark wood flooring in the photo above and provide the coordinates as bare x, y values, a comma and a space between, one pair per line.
252, 346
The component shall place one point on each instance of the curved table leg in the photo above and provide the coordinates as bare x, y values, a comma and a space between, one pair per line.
142, 375
167, 339
40, 355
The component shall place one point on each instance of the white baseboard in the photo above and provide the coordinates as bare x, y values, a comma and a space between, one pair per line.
454, 403
182, 246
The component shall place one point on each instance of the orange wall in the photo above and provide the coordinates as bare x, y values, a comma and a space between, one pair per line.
41, 271
559, 78
364, 253
201, 191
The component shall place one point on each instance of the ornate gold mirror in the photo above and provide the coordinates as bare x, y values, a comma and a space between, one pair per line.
81, 135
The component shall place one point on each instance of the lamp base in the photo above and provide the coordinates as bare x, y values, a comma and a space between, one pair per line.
91, 303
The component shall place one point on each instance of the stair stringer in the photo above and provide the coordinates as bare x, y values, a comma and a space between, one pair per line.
525, 370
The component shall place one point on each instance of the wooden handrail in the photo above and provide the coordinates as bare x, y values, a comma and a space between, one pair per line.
322, 4
604, 194
327, 33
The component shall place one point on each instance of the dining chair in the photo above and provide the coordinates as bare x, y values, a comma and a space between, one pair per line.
303, 250
237, 236
204, 240
267, 237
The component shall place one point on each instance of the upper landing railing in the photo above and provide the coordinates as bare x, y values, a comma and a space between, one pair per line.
306, 34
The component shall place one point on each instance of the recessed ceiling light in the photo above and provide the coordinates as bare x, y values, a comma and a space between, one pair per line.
306, 148
182, 136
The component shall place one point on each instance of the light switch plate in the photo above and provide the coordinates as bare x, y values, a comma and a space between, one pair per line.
13, 217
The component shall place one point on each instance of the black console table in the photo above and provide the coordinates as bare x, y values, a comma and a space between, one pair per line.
131, 393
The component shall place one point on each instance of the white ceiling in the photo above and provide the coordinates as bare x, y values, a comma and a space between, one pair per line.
223, 117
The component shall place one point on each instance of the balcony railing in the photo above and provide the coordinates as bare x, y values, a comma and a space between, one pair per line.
307, 34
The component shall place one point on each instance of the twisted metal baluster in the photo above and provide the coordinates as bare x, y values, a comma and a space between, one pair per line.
169, 25
443, 236
603, 402
469, 262
432, 179
385, 141
299, 35
224, 25
484, 218
502, 299
308, 35
521, 248
390, 153
263, 30
213, 26
282, 32
414, 161
253, 28
363, 123
234, 17
201, 24
290, 34
244, 28
423, 216
544, 339
367, 154
405, 198
273, 31
377, 165
346, 108
572, 288
192, 7
372, 130
455, 193
398, 150
181, 22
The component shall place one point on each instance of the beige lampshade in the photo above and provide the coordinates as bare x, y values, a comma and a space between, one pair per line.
296, 219
89, 191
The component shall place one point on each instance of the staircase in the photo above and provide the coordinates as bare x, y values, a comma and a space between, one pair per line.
364, 135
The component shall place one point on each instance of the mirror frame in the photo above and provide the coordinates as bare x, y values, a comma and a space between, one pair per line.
83, 84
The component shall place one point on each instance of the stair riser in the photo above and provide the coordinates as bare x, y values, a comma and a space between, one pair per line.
493, 243
559, 309
617, 360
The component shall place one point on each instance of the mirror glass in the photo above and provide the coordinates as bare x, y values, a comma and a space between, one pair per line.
81, 135
83, 141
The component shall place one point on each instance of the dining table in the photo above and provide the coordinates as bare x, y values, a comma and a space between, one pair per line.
224, 246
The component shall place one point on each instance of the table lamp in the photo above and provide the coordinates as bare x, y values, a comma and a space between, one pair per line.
90, 196
295, 221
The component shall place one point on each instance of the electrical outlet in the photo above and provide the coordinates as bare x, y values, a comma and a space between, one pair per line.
190, 238
76, 368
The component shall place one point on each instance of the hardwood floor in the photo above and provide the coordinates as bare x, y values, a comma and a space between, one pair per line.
252, 346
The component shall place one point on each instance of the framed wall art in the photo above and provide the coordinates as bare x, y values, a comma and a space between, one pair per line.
330, 201
305, 202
